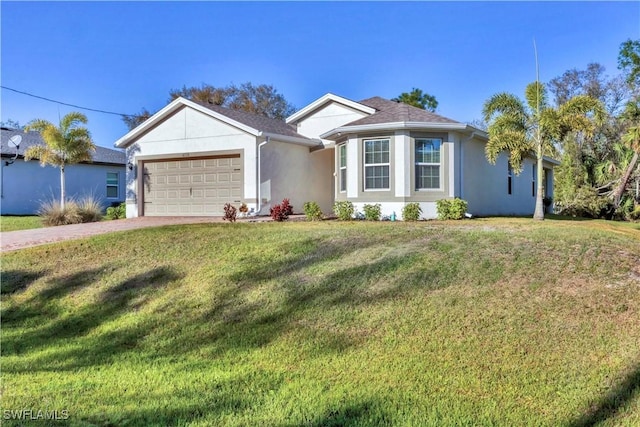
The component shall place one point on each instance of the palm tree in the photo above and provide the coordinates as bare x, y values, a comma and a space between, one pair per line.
68, 143
523, 128
631, 139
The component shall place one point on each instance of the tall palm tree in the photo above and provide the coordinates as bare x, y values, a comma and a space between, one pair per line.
631, 139
534, 127
68, 143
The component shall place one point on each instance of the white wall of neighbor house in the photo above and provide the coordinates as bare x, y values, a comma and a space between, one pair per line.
294, 172
26, 185
326, 118
191, 133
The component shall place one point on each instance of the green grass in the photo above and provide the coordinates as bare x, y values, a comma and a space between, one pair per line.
13, 223
485, 322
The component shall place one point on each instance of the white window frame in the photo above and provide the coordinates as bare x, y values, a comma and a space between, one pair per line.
371, 165
342, 169
116, 185
438, 164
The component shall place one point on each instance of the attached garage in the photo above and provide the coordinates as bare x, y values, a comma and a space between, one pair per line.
191, 187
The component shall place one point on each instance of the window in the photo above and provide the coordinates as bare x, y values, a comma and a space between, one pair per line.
427, 157
342, 165
376, 164
509, 177
533, 180
112, 185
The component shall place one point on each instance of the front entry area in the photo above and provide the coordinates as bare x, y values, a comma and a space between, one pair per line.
191, 187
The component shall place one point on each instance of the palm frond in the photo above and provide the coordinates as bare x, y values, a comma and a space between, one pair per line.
71, 121
503, 104
513, 141
44, 154
536, 95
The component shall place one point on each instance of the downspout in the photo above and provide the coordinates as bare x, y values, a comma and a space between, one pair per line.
258, 178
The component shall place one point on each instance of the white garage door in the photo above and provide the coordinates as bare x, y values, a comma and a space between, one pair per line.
192, 187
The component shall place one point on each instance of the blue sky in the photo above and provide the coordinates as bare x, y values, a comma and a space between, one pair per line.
123, 56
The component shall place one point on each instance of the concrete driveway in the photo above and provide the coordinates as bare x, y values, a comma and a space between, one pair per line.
14, 240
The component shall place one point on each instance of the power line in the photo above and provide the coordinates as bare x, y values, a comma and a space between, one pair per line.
64, 103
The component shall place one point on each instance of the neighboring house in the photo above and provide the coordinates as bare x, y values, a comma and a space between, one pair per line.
192, 158
25, 184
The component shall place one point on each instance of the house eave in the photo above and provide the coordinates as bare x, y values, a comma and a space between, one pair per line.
337, 132
292, 139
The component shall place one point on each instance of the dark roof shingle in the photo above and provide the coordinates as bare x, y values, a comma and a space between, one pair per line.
391, 112
256, 121
29, 139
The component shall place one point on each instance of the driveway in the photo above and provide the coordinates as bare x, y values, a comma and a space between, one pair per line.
14, 240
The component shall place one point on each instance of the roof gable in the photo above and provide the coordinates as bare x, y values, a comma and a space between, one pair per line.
327, 99
253, 124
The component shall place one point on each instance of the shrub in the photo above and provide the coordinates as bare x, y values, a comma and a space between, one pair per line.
230, 213
451, 208
411, 212
282, 211
286, 207
312, 211
52, 213
634, 215
90, 209
343, 210
117, 212
372, 212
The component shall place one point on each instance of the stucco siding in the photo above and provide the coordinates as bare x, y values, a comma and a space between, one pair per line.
25, 185
329, 117
293, 172
190, 133
486, 185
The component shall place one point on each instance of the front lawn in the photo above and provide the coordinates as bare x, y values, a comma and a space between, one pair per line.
504, 322
13, 223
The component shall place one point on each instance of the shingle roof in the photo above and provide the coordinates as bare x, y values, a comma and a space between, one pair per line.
29, 139
256, 121
392, 112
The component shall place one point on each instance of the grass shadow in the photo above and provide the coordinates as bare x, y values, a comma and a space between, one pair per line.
611, 403
14, 281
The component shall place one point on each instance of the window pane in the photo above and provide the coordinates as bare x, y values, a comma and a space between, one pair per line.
376, 151
343, 179
112, 178
427, 176
376, 177
343, 155
428, 150
112, 191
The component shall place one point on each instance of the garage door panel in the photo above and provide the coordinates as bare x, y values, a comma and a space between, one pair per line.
192, 186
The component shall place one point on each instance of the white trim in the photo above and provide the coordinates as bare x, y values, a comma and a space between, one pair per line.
329, 97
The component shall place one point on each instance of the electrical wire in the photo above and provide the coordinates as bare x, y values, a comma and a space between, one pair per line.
64, 103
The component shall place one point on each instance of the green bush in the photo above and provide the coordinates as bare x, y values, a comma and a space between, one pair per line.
372, 212
635, 214
451, 208
411, 212
312, 211
584, 202
344, 210
117, 212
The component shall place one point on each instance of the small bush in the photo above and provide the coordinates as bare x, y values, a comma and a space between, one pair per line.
52, 213
411, 212
343, 210
372, 212
90, 209
634, 215
230, 213
282, 211
451, 208
312, 211
117, 212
